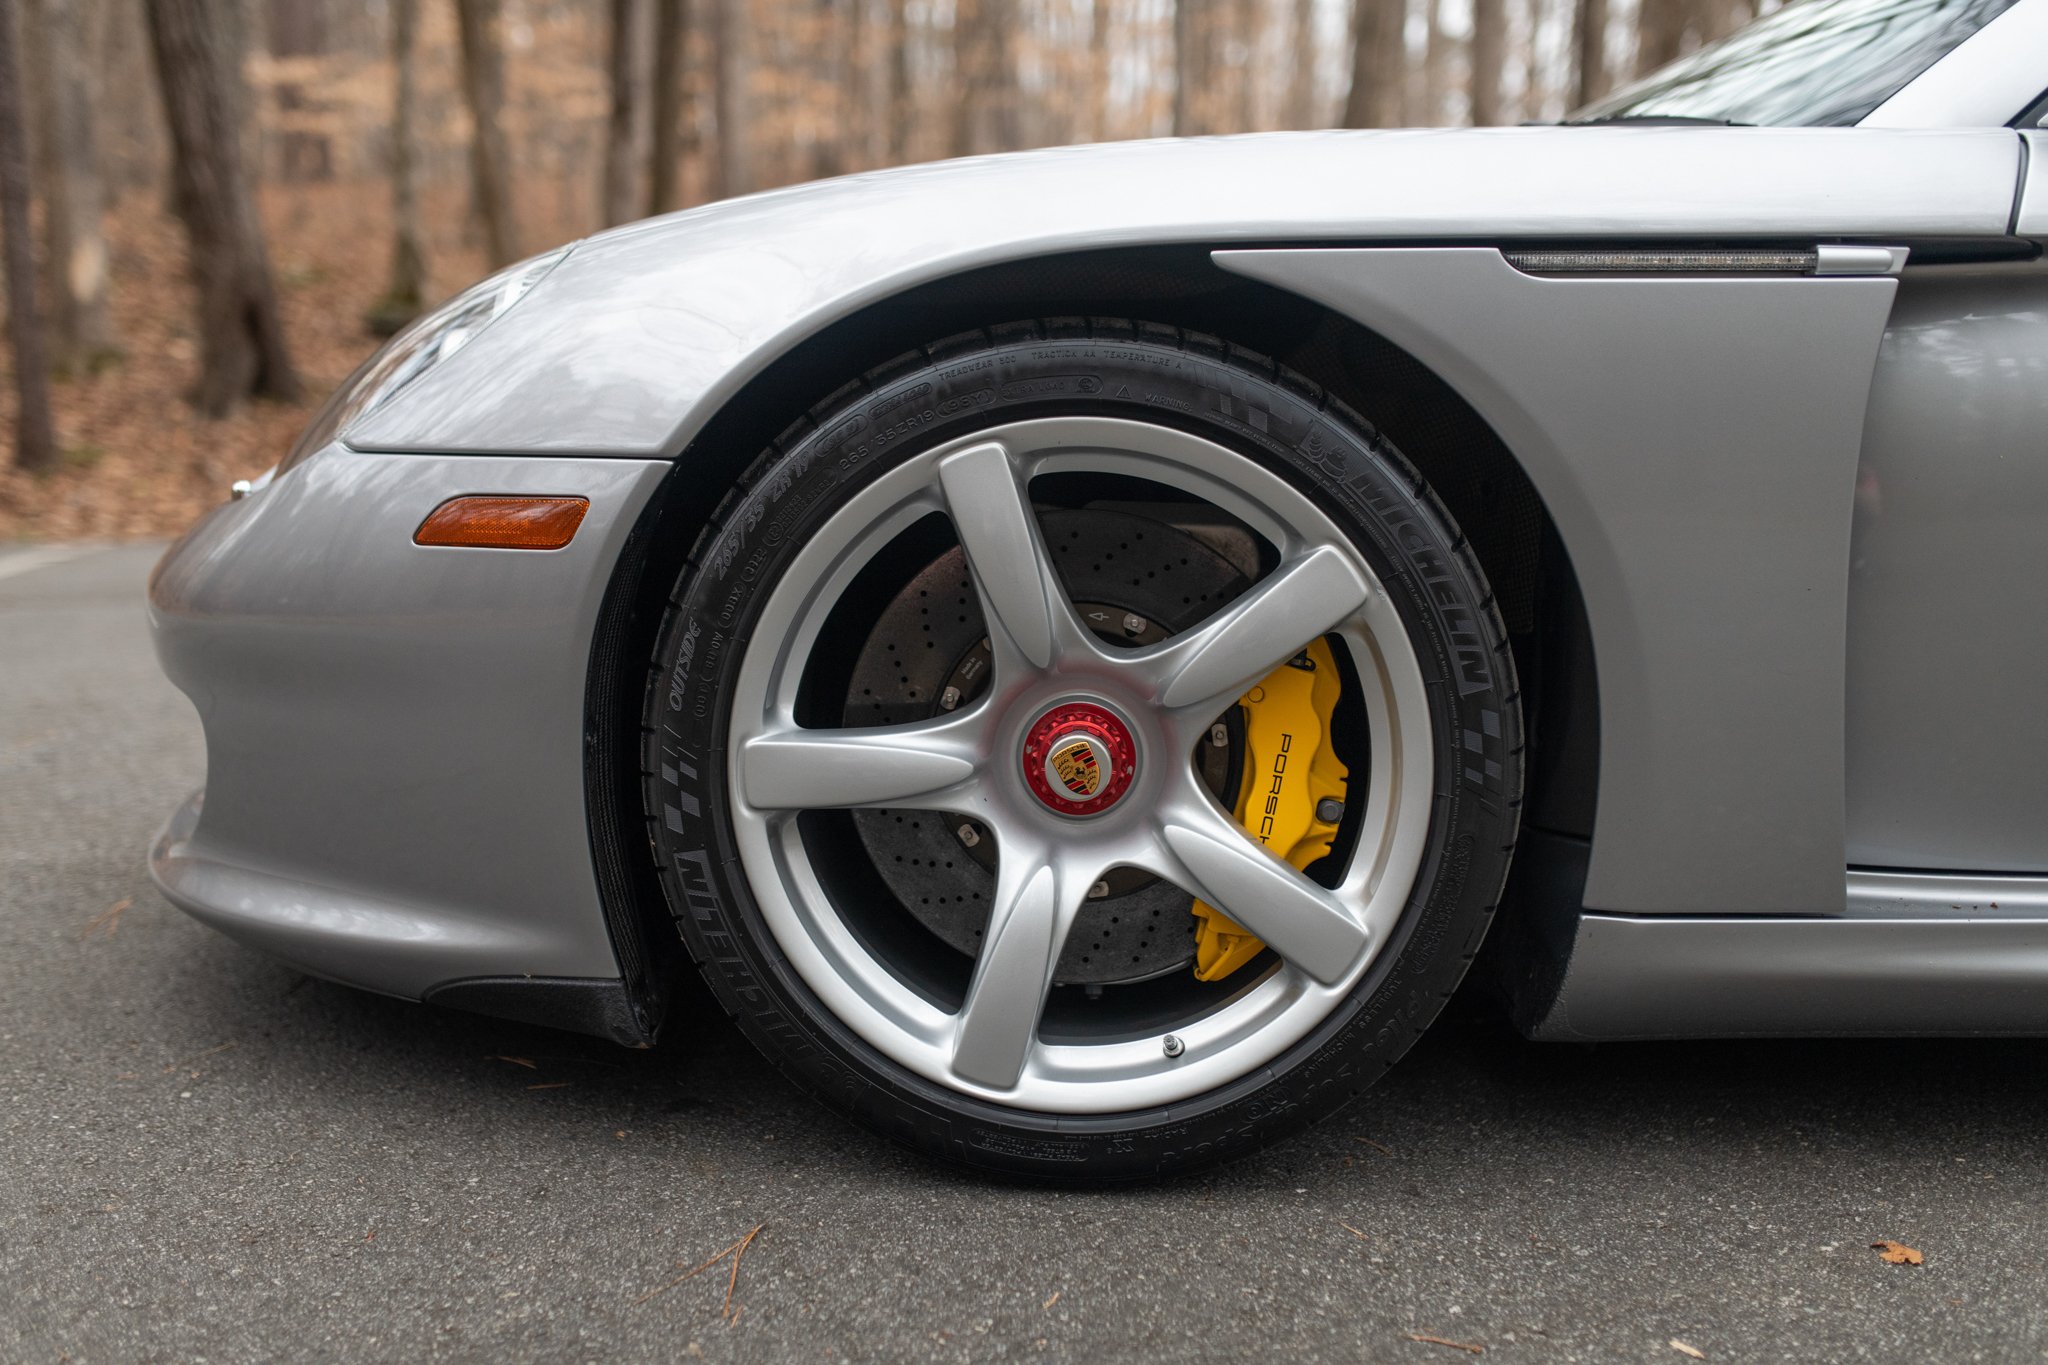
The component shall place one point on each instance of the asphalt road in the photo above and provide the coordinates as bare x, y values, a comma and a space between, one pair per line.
204, 1155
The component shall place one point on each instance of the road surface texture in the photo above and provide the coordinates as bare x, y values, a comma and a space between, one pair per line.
204, 1155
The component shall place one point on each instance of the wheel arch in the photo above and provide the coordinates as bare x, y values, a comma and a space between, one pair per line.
1470, 468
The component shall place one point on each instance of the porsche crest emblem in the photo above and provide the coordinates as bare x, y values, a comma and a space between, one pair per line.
1078, 767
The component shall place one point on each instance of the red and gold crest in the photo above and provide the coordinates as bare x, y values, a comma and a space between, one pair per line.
1079, 767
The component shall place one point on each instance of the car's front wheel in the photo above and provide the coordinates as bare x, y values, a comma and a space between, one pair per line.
1083, 750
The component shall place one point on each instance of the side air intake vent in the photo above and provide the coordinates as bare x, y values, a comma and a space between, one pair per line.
1830, 258
1736, 262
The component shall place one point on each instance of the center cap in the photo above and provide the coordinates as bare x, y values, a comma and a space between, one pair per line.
1079, 759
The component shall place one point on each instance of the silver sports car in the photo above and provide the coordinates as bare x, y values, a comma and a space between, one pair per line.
1078, 649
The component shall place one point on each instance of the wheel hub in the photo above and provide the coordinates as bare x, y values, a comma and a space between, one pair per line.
1079, 759
1135, 581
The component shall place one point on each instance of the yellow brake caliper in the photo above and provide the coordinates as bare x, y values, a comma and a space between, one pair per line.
1292, 778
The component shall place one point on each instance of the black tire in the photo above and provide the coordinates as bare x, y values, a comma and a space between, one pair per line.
1159, 375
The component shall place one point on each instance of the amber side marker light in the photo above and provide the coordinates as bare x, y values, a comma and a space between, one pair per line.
503, 523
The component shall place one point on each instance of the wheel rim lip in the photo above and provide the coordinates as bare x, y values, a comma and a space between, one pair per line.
1262, 1020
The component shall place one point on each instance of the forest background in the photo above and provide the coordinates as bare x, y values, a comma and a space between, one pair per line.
216, 208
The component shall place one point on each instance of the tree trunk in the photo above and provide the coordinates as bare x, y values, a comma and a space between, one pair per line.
35, 441
728, 80
967, 45
1190, 65
405, 296
1437, 52
1489, 24
898, 106
671, 100
1723, 18
1244, 23
619, 200
1099, 69
65, 79
241, 340
826, 56
1379, 61
483, 85
1300, 66
292, 28
987, 82
1589, 38
1660, 34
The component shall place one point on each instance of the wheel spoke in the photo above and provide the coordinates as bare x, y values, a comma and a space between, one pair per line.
1210, 667
992, 515
883, 765
1299, 920
1033, 908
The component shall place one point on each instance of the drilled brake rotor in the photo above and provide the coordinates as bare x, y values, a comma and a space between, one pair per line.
1135, 581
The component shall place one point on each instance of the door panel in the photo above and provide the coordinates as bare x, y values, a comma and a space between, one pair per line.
1696, 442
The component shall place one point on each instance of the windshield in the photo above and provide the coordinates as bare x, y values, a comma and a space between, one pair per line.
1814, 63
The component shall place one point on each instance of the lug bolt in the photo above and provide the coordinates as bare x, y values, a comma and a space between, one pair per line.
1134, 624
1098, 891
1172, 1046
969, 835
949, 699
1219, 736
1329, 810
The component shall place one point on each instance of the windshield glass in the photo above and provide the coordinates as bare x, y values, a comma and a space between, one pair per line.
1814, 63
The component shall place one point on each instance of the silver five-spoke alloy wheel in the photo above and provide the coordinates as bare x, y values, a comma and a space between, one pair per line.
1133, 717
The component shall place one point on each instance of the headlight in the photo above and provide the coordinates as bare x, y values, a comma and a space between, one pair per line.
424, 344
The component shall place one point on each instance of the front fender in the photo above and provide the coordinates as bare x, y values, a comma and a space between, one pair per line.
637, 338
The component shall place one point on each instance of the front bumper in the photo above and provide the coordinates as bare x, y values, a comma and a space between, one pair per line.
394, 733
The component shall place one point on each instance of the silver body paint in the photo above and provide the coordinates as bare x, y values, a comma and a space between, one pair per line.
394, 733
1805, 514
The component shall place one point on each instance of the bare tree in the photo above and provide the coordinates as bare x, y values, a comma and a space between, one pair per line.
619, 200
827, 56
1489, 43
728, 88
1298, 110
987, 80
1190, 65
64, 78
405, 296
898, 100
1660, 33
1589, 41
291, 28
241, 339
1719, 18
483, 83
35, 440
1244, 50
671, 92
1379, 64
1099, 16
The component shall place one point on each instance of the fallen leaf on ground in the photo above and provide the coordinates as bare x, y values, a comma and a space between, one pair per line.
1695, 1352
108, 919
736, 1250
199, 1056
1051, 1301
1429, 1340
1896, 1253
